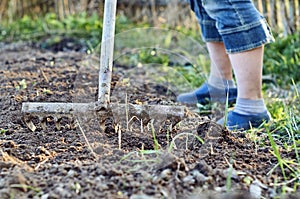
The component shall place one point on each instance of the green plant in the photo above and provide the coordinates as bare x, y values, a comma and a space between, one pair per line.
226, 110
24, 186
229, 176
286, 134
21, 85
276, 153
152, 56
282, 59
155, 141
3, 131
79, 26
76, 187
47, 91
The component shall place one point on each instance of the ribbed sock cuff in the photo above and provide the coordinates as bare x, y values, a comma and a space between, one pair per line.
220, 83
249, 107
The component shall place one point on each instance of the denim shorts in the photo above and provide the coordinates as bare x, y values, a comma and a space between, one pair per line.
236, 23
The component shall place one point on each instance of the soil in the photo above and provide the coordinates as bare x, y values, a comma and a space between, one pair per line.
129, 160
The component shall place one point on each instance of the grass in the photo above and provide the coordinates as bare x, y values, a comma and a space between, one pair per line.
155, 141
226, 109
276, 153
25, 187
283, 134
229, 176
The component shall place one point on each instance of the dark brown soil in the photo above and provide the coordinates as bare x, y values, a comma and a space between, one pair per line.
52, 163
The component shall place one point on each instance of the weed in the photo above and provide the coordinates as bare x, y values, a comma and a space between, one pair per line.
76, 187
276, 152
226, 108
285, 133
155, 141
21, 85
24, 186
3, 131
229, 175
47, 91
282, 59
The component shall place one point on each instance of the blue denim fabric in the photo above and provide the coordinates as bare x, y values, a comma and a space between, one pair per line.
237, 23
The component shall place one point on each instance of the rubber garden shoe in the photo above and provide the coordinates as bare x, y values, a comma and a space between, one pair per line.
236, 121
207, 93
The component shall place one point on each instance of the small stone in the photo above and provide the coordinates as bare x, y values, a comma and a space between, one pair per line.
255, 191
189, 180
166, 174
156, 180
71, 173
45, 196
200, 178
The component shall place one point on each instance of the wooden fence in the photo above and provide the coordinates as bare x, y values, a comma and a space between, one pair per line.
282, 15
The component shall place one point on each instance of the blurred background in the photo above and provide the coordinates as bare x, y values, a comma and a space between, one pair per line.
52, 24
153, 11
283, 15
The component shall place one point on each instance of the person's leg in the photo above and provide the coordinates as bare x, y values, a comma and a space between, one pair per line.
220, 63
248, 71
220, 78
220, 75
244, 33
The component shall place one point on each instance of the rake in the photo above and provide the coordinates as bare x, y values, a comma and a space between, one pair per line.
102, 105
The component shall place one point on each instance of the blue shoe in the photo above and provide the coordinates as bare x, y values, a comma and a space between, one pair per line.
206, 94
236, 121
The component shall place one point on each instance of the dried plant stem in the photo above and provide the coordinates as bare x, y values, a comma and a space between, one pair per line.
119, 136
126, 112
85, 138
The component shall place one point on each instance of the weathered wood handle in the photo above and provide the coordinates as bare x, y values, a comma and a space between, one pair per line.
107, 48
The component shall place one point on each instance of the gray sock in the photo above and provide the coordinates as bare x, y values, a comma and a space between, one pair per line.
220, 82
249, 107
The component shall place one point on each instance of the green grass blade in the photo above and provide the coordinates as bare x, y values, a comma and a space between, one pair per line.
276, 152
226, 108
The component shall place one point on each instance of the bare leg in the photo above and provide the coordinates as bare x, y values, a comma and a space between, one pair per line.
220, 62
250, 107
248, 71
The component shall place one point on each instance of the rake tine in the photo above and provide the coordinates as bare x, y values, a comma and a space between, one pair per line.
57, 121
29, 123
43, 121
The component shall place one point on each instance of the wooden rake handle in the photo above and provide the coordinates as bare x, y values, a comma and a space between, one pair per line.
107, 48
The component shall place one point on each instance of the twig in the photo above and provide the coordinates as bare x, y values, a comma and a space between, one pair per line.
119, 136
40, 163
86, 140
44, 76
212, 149
127, 112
